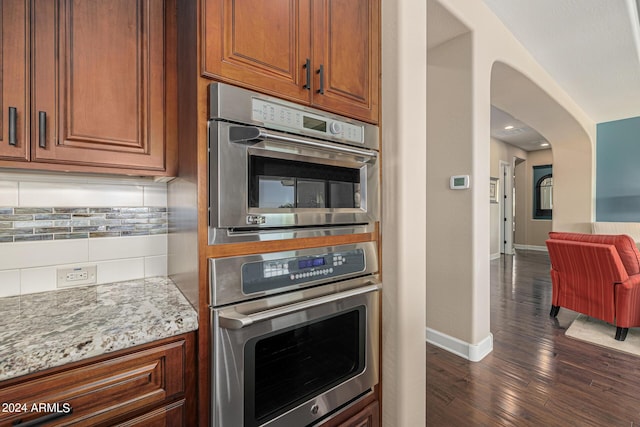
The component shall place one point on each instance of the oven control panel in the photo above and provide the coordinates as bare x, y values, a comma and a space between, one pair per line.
274, 274
290, 119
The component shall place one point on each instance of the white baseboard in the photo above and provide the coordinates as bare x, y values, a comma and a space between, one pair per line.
531, 248
472, 352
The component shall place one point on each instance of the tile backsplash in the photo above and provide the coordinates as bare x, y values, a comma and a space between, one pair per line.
50, 221
44, 223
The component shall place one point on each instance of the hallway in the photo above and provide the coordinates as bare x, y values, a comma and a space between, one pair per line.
535, 376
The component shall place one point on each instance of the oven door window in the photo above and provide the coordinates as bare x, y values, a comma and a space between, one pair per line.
287, 184
290, 366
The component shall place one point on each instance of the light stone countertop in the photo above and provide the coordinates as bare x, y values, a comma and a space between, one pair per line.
48, 329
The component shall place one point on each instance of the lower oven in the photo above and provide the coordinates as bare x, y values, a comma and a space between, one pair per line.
298, 357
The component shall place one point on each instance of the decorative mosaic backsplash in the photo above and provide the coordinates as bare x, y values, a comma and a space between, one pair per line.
31, 224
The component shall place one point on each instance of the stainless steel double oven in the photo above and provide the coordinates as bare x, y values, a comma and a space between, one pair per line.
295, 333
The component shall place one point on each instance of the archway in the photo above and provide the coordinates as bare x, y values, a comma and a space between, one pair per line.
573, 154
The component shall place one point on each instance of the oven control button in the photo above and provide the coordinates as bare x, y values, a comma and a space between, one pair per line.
335, 128
314, 409
292, 277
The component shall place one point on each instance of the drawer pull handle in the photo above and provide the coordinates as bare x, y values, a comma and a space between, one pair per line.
42, 140
13, 117
44, 419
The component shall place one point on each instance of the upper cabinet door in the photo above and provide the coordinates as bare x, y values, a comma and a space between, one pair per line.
14, 78
346, 56
99, 83
259, 44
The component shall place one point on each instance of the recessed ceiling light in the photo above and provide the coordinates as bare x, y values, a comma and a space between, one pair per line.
508, 127
544, 144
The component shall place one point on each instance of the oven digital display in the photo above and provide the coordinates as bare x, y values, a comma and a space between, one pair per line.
312, 262
315, 124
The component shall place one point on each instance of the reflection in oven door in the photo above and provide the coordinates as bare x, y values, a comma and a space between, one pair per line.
292, 365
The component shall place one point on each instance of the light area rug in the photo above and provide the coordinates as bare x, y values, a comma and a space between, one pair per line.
601, 333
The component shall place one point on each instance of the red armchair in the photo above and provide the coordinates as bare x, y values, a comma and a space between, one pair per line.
597, 275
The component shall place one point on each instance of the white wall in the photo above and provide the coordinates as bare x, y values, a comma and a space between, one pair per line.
450, 213
404, 210
28, 267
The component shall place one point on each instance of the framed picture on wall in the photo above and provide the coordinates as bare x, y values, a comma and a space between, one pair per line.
493, 190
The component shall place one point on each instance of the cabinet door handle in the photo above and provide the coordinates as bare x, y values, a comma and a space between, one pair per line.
42, 120
13, 116
321, 72
307, 67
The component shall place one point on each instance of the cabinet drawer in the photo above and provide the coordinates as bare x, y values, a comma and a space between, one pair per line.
170, 415
367, 417
102, 391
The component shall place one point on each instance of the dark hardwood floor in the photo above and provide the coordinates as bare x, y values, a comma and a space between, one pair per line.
535, 376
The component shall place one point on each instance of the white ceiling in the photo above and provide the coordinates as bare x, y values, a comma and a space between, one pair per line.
590, 47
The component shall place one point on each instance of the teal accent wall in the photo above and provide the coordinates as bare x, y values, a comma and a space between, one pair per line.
618, 171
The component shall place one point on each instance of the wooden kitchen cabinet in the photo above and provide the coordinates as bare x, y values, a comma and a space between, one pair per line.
323, 53
153, 385
101, 83
14, 80
257, 44
346, 44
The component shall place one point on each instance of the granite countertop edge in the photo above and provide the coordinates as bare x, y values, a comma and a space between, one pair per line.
50, 329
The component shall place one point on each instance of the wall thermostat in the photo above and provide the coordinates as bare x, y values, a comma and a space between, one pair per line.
459, 182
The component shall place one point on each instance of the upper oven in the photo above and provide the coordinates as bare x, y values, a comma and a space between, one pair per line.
275, 165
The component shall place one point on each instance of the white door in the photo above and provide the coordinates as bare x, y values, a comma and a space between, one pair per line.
506, 208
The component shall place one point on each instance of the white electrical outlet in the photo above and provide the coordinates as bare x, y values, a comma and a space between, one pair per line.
76, 276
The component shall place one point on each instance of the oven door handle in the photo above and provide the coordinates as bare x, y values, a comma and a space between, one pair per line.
234, 320
243, 134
